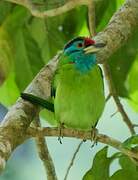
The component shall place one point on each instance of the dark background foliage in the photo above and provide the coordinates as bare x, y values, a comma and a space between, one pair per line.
27, 43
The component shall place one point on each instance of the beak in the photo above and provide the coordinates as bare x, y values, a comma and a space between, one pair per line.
94, 48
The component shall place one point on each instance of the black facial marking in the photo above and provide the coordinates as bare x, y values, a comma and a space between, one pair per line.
72, 41
73, 51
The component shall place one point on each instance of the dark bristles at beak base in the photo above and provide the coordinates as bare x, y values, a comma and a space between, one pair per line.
99, 45
94, 48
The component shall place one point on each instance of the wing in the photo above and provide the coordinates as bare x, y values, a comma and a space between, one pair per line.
101, 72
42, 102
55, 83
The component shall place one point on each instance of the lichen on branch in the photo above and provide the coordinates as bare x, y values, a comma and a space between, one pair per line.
13, 129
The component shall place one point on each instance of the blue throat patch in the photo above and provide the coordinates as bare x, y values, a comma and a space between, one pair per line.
83, 62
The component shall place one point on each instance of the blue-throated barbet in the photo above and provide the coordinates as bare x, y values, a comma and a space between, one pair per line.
78, 84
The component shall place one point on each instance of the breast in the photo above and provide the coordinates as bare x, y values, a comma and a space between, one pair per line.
79, 99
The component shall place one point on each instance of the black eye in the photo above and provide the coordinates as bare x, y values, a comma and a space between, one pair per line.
80, 45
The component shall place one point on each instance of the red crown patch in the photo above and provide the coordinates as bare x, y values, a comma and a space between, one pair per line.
89, 41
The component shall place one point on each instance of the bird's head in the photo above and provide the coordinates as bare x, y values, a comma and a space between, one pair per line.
81, 52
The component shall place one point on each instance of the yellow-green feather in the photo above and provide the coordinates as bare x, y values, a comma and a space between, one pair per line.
79, 100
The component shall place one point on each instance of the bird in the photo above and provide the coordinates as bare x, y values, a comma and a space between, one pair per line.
77, 86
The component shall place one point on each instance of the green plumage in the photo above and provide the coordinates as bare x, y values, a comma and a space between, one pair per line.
78, 85
79, 100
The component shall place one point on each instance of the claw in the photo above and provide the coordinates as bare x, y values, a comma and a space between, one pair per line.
59, 139
94, 133
61, 126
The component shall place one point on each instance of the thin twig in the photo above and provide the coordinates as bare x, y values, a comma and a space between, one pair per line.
114, 113
15, 124
91, 22
46, 131
91, 18
69, 5
113, 92
135, 125
73, 159
44, 153
108, 76
108, 97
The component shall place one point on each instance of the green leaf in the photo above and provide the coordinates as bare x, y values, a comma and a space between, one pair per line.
35, 41
132, 85
12, 20
16, 20
33, 52
6, 55
52, 33
28, 60
120, 2
121, 62
49, 117
123, 175
5, 9
133, 140
9, 91
128, 170
103, 15
100, 167
23, 73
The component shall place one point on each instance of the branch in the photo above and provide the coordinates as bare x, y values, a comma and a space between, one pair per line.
14, 126
113, 93
118, 29
69, 5
73, 159
41, 132
91, 22
18, 119
114, 35
112, 89
91, 18
44, 153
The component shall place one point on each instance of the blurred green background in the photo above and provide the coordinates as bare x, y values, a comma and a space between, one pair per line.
27, 43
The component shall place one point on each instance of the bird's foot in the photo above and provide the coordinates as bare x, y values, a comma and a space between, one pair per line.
61, 126
94, 133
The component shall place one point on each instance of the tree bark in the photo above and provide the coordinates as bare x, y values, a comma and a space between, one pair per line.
14, 127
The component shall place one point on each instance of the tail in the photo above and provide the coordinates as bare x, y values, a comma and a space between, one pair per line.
38, 101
